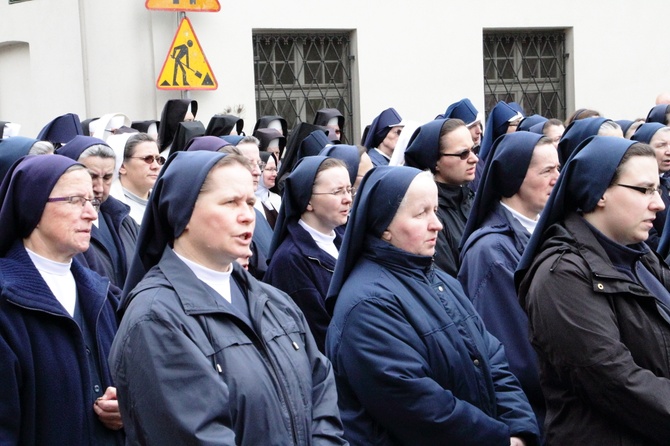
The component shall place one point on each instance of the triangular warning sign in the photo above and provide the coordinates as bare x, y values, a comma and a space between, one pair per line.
184, 5
186, 67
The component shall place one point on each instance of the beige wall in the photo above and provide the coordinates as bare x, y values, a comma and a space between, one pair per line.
94, 57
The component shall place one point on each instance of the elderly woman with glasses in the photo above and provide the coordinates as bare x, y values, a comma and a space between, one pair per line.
138, 173
598, 299
57, 317
317, 199
413, 362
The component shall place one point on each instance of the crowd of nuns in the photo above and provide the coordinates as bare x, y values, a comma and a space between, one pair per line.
466, 281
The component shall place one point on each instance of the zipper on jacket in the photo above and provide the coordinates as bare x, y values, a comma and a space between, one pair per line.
321, 264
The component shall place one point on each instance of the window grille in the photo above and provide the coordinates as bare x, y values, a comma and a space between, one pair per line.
297, 74
528, 68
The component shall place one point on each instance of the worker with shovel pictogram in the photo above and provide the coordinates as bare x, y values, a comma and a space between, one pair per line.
179, 53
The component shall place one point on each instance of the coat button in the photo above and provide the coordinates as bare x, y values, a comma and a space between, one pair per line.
441, 288
96, 388
600, 286
476, 362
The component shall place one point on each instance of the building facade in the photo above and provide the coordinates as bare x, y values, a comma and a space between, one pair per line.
94, 57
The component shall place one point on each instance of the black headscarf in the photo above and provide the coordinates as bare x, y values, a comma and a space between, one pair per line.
173, 113
221, 125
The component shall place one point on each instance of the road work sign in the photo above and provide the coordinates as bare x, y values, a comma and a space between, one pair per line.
184, 5
186, 67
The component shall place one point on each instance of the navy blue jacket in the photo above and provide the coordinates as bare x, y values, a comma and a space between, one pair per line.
303, 271
46, 387
488, 261
124, 232
377, 158
260, 246
413, 362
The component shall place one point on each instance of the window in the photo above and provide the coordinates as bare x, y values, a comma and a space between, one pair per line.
297, 74
526, 67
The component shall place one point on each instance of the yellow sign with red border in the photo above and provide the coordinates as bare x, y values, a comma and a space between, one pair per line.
186, 67
184, 5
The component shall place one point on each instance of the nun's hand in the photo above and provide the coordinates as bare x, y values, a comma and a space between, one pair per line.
107, 409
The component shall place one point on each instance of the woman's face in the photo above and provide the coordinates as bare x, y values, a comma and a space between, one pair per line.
415, 225
539, 181
626, 215
137, 175
330, 202
65, 228
222, 223
452, 169
554, 132
270, 173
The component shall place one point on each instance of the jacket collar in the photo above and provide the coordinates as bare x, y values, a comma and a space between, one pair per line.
500, 220
24, 286
196, 298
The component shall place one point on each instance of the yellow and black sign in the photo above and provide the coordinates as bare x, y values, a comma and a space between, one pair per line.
184, 5
186, 67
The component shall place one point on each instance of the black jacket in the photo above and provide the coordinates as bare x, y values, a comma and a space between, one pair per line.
603, 342
454, 204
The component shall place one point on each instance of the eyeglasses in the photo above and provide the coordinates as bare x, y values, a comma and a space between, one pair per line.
260, 164
149, 159
270, 169
465, 154
77, 199
641, 189
339, 192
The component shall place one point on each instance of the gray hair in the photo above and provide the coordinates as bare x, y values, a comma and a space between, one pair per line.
249, 139
99, 150
41, 148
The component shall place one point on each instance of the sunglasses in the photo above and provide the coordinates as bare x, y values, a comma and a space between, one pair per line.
465, 154
149, 159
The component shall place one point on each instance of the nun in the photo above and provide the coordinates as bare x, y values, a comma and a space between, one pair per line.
659, 114
580, 130
205, 353
598, 302
57, 317
333, 120
268, 203
114, 233
502, 119
413, 362
316, 202
222, 125
658, 137
518, 179
174, 112
466, 112
382, 136
445, 147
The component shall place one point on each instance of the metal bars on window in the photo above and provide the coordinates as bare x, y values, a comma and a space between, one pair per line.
528, 68
297, 74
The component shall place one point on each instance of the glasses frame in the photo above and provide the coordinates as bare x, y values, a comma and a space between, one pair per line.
649, 191
75, 199
339, 192
149, 159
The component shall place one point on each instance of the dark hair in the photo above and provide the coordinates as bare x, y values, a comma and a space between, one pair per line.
449, 126
637, 149
581, 113
133, 141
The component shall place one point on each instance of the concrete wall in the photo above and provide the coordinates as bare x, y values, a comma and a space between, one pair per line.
93, 57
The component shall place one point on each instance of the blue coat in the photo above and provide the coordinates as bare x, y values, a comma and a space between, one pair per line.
124, 232
46, 390
190, 370
489, 258
377, 158
303, 271
413, 362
